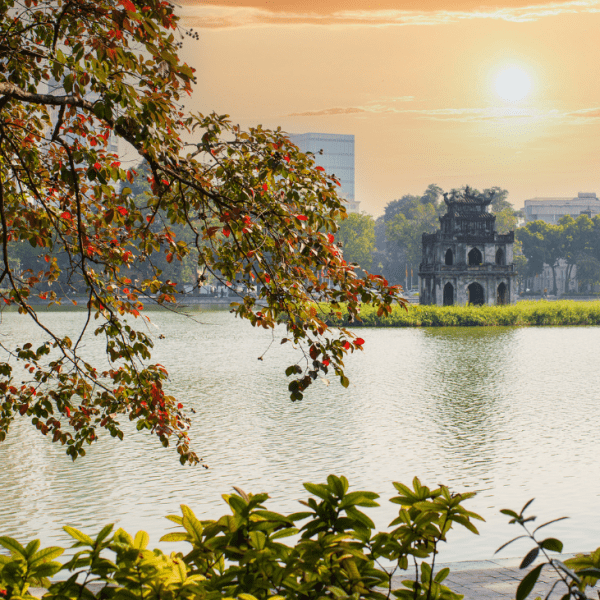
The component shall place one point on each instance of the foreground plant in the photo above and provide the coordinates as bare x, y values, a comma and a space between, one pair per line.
574, 574
241, 555
76, 76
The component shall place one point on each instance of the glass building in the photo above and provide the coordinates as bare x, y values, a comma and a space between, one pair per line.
337, 159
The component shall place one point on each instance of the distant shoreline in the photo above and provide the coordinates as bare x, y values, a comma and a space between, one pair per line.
525, 313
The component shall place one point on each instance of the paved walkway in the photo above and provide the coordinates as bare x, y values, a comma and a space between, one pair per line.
484, 580
499, 579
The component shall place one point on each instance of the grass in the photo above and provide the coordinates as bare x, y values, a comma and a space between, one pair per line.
537, 313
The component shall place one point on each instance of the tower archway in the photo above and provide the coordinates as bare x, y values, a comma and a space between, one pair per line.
476, 294
501, 294
500, 257
448, 294
474, 257
449, 257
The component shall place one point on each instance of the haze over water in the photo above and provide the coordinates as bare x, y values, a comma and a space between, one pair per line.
507, 412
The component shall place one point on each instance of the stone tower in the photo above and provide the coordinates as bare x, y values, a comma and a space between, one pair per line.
466, 261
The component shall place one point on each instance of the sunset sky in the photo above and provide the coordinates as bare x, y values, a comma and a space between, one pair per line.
434, 91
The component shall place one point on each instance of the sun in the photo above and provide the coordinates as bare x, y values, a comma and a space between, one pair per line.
513, 84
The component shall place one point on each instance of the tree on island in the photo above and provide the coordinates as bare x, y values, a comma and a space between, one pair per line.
74, 75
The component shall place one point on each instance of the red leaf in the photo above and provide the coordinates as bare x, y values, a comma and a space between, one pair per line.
287, 158
226, 232
115, 164
68, 411
267, 278
180, 406
66, 215
326, 362
265, 187
302, 217
347, 345
169, 257
359, 341
319, 168
330, 238
128, 5
122, 211
97, 166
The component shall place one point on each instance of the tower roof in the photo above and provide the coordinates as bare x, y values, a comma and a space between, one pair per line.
457, 200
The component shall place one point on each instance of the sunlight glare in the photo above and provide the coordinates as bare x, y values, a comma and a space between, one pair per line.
513, 84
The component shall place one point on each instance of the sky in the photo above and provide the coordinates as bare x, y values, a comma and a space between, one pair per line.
505, 93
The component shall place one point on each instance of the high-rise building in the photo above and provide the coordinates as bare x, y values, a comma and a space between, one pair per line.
552, 209
337, 158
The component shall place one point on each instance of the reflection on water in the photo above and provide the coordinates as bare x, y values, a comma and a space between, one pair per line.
505, 412
470, 375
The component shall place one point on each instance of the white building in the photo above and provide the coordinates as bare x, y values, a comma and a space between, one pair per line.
337, 159
552, 209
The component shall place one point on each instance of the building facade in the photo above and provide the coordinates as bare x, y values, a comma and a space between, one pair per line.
552, 209
337, 158
466, 261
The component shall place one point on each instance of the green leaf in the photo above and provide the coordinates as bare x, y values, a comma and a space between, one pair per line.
552, 544
257, 539
528, 582
178, 536
48, 569
12, 545
526, 507
317, 489
550, 523
46, 554
590, 572
442, 575
79, 536
285, 533
104, 532
360, 517
529, 557
32, 548
123, 537
141, 540
510, 542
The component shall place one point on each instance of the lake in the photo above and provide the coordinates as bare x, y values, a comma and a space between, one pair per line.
510, 413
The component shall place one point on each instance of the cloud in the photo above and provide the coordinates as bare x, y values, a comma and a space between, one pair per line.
382, 106
326, 112
222, 14
466, 115
587, 114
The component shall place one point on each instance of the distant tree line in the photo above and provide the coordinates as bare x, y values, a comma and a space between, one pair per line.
574, 241
389, 245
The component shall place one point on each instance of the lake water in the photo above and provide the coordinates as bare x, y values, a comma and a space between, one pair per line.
510, 413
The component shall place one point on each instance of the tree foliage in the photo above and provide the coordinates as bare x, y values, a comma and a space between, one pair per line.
252, 204
575, 241
357, 237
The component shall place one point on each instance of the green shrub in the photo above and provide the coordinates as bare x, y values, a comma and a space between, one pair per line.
529, 313
242, 554
336, 556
